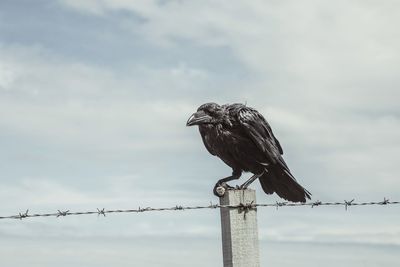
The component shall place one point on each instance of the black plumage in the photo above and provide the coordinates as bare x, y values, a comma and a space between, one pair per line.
243, 139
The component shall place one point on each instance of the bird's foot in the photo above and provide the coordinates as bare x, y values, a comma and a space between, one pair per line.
220, 188
249, 181
242, 187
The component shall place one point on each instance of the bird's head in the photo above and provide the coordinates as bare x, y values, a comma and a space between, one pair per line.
209, 113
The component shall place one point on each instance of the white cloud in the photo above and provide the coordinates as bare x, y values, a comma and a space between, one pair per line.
45, 195
80, 104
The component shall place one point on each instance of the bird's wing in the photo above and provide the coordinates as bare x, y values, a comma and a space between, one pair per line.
259, 131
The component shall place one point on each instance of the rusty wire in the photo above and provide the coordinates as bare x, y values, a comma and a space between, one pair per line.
240, 207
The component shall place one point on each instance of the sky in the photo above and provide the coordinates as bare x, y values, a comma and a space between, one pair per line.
94, 98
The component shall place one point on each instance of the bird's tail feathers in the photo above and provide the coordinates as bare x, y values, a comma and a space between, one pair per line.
283, 183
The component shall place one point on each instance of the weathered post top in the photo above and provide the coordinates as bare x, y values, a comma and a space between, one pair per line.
239, 230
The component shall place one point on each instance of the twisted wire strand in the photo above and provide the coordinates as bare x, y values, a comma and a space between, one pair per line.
242, 207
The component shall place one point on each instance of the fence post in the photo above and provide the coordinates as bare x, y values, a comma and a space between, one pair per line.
239, 230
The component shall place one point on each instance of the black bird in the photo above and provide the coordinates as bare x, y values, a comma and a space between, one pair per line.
242, 138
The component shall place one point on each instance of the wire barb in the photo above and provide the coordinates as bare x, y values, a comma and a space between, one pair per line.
143, 210
385, 201
348, 203
23, 215
101, 212
280, 204
316, 203
179, 207
246, 207
62, 213
213, 206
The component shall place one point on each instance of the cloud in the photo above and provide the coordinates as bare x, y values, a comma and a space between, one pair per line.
40, 195
77, 103
319, 29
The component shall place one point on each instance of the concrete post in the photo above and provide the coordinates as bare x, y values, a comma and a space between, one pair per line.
239, 230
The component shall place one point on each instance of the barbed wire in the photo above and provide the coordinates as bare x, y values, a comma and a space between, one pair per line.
242, 207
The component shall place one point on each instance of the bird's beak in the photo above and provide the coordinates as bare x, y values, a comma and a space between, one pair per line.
198, 118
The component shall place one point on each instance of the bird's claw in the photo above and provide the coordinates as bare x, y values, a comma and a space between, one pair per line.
220, 188
241, 187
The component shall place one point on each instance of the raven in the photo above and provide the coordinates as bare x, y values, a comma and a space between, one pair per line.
242, 138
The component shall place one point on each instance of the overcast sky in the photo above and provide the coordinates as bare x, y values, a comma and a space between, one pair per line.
95, 94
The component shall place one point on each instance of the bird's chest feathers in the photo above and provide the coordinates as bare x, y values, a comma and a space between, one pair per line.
214, 133
219, 138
